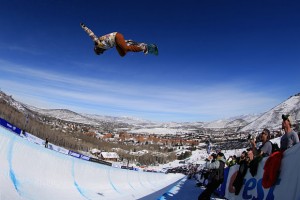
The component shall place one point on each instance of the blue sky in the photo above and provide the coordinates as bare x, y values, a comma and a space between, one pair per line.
217, 58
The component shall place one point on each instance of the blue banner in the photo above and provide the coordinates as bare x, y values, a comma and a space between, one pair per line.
84, 157
74, 154
10, 126
221, 190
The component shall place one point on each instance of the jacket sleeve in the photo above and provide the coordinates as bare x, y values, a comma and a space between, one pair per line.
295, 138
91, 34
213, 165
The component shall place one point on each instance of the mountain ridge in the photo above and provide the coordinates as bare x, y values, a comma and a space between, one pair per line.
252, 122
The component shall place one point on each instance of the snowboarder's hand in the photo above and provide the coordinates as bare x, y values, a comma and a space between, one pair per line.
82, 24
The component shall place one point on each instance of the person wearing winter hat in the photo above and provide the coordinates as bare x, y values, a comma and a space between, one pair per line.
217, 174
290, 138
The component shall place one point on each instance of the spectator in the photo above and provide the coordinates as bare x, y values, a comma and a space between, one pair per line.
46, 143
206, 172
212, 158
244, 162
234, 158
23, 133
228, 161
266, 148
217, 178
241, 158
290, 138
231, 161
250, 155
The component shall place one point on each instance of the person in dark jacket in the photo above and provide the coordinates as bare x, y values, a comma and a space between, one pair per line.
244, 165
217, 168
46, 143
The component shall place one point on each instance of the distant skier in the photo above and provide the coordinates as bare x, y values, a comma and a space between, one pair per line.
117, 40
46, 143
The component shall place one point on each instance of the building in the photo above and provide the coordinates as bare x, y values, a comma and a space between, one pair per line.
109, 156
95, 152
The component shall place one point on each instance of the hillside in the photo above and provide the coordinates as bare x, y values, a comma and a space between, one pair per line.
272, 118
245, 123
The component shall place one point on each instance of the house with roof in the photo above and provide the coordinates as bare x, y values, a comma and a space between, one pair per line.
95, 152
109, 156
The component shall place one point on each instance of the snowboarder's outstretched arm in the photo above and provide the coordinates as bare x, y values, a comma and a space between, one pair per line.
91, 34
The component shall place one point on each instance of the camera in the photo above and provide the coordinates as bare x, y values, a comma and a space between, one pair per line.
250, 137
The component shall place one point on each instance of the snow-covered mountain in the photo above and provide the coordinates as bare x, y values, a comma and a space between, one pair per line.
252, 122
122, 119
272, 118
66, 115
238, 121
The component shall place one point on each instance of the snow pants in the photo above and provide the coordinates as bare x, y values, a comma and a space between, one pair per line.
211, 187
122, 46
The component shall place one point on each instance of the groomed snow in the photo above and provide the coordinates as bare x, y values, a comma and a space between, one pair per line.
29, 171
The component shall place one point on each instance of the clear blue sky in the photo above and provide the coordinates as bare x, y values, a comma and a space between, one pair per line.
217, 58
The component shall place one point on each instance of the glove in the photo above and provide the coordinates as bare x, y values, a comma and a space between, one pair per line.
82, 25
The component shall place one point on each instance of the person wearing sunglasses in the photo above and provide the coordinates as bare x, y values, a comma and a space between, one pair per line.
290, 137
265, 149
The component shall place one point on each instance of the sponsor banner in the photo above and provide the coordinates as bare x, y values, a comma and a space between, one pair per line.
11, 127
221, 190
252, 187
1, 121
34, 139
74, 154
287, 186
58, 149
232, 172
84, 157
50, 146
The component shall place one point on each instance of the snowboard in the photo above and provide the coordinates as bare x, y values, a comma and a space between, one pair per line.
152, 48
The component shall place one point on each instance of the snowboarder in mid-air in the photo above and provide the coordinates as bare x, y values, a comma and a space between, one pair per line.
117, 40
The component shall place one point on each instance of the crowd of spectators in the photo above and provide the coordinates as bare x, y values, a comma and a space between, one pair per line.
210, 174
248, 160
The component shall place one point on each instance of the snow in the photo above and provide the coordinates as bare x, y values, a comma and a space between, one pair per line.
94, 151
160, 131
272, 118
30, 171
109, 155
251, 122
